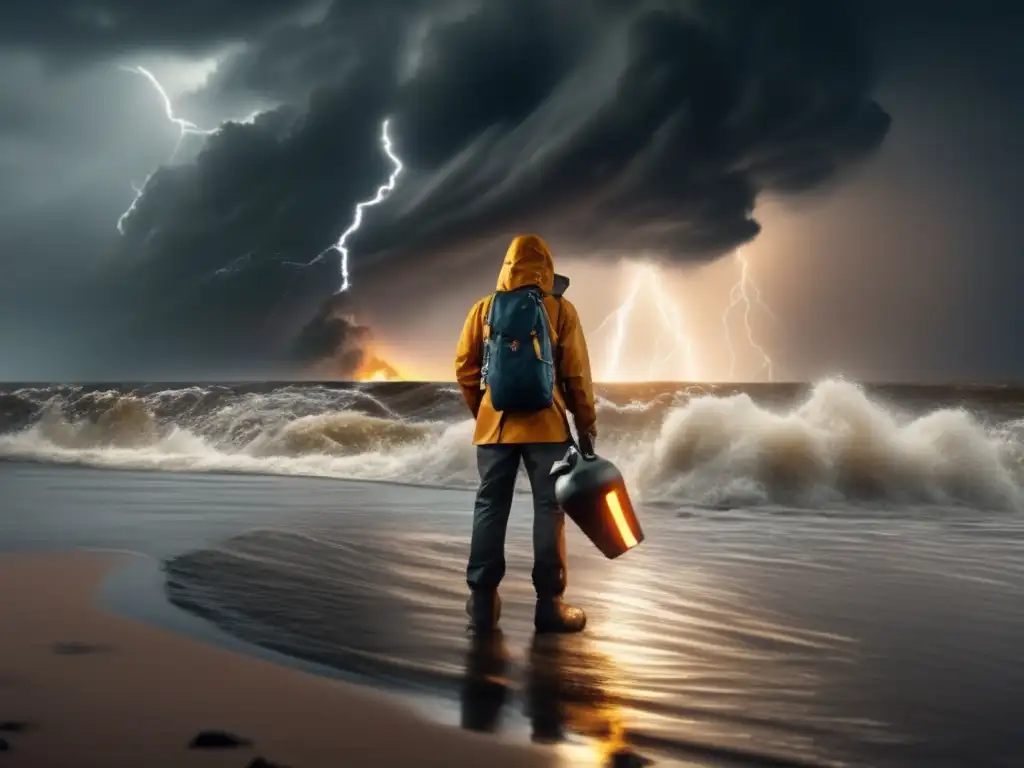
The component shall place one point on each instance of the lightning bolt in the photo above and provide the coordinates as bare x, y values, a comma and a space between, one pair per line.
185, 128
188, 128
645, 282
746, 293
646, 289
138, 190
357, 219
340, 245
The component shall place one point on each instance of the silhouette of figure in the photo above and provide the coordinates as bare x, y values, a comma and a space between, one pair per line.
485, 687
566, 689
548, 364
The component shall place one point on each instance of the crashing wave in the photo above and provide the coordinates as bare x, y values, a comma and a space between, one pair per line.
835, 445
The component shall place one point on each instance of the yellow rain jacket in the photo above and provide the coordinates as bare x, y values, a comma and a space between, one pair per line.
528, 262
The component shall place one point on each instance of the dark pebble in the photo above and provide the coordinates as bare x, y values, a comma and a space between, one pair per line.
625, 758
4, 746
259, 762
75, 648
217, 740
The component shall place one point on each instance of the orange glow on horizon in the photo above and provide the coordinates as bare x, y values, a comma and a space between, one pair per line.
378, 366
376, 369
612, 499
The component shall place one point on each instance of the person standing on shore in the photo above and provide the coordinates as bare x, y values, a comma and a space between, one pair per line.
522, 365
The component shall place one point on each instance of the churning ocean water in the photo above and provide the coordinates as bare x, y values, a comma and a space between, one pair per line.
833, 574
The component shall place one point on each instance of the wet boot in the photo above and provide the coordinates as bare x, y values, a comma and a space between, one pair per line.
484, 610
555, 615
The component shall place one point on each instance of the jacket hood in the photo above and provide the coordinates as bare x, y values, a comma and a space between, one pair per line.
528, 261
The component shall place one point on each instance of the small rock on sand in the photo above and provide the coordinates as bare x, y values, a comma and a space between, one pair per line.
259, 762
75, 648
217, 740
626, 758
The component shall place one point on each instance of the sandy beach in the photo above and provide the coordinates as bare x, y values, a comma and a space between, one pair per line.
95, 689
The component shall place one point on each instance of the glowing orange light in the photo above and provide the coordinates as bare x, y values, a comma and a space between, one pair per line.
375, 368
612, 499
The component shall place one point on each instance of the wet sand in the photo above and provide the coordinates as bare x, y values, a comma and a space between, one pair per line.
95, 689
882, 637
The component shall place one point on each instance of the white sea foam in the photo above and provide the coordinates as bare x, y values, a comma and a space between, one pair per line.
835, 446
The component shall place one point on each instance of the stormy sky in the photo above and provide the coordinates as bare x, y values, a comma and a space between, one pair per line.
867, 156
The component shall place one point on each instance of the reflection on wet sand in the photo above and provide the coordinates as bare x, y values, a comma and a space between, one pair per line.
566, 684
573, 693
486, 689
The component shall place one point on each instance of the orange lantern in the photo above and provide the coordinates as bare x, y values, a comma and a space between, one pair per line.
592, 492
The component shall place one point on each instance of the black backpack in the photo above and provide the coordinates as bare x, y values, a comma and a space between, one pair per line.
519, 364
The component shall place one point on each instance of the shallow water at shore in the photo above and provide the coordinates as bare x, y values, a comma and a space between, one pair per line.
867, 637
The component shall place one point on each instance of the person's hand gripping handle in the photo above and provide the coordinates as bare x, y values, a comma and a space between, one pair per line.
587, 446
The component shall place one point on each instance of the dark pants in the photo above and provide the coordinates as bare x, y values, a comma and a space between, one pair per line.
498, 465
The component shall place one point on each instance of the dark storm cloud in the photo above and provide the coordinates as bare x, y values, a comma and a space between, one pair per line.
710, 109
67, 31
713, 105
291, 59
614, 127
332, 343
217, 274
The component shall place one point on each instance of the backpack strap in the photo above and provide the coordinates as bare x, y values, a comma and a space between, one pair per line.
488, 317
485, 366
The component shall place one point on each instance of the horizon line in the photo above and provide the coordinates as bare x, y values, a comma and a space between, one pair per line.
978, 383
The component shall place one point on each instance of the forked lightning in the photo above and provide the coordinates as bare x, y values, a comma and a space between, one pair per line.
185, 128
679, 361
357, 219
745, 294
